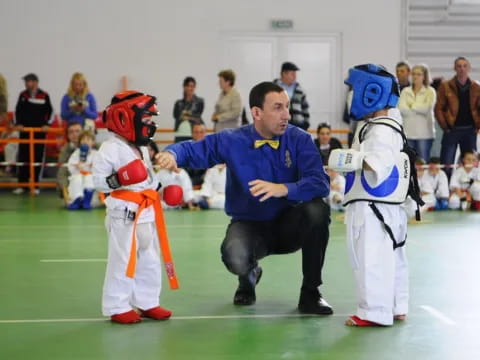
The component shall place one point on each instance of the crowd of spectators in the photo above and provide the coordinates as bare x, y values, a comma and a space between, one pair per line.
426, 106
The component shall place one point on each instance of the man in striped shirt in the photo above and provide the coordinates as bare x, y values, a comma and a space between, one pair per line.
299, 115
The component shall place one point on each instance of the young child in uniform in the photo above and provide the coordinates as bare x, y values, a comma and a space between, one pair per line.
212, 193
123, 170
337, 189
465, 184
438, 181
377, 183
80, 181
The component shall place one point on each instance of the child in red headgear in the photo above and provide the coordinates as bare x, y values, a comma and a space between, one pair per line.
122, 168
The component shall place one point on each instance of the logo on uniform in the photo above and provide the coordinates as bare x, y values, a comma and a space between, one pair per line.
288, 159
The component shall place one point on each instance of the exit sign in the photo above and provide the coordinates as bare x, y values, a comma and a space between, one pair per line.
281, 24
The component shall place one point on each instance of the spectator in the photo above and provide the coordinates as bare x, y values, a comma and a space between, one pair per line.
465, 184
3, 100
416, 105
426, 190
78, 104
33, 110
403, 74
197, 175
228, 109
438, 181
167, 177
181, 178
187, 111
337, 190
457, 112
299, 114
325, 143
74, 130
10, 149
212, 193
80, 187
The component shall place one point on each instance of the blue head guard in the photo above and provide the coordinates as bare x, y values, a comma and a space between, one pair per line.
374, 88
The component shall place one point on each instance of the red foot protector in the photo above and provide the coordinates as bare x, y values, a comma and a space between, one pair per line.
129, 317
173, 195
157, 313
356, 321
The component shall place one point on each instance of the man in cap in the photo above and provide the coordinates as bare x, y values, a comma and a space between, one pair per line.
299, 115
33, 110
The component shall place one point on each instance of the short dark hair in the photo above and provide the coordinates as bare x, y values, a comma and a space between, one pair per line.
403, 63
434, 160
419, 161
188, 80
460, 58
259, 91
228, 75
466, 152
323, 125
70, 124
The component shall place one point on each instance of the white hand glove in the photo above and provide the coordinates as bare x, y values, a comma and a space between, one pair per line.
345, 160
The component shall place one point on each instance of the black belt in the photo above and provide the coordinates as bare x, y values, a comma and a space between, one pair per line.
389, 231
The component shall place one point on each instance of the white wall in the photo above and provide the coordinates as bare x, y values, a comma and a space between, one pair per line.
156, 43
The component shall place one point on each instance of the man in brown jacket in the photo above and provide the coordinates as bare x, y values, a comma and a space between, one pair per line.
458, 112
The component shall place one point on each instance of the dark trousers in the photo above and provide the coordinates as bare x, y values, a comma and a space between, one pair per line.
304, 226
465, 137
24, 156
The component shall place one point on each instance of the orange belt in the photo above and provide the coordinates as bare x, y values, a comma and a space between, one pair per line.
144, 199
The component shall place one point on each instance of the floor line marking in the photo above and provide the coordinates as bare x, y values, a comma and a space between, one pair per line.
71, 260
439, 315
198, 317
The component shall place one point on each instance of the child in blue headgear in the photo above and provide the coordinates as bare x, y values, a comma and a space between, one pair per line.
378, 179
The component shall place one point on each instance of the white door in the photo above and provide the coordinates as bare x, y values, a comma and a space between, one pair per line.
256, 58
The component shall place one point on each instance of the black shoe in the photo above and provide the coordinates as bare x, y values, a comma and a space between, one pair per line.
245, 294
311, 302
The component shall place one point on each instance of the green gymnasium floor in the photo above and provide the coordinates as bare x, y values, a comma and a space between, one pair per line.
52, 267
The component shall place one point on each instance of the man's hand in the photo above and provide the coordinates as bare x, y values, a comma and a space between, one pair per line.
166, 160
267, 189
45, 128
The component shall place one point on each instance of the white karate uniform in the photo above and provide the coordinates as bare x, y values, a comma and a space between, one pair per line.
167, 177
427, 191
381, 273
436, 187
213, 187
78, 182
461, 180
338, 180
121, 293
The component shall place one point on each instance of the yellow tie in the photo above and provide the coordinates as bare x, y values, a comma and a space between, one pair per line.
274, 144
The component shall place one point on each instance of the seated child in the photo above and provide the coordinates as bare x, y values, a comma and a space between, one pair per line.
438, 180
337, 190
465, 184
167, 178
212, 193
80, 182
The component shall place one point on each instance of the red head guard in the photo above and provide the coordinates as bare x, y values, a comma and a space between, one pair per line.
125, 113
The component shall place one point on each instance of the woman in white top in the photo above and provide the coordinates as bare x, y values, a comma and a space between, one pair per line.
416, 105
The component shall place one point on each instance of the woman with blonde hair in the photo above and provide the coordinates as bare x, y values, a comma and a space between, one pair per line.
416, 104
78, 104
